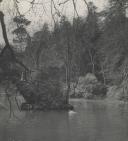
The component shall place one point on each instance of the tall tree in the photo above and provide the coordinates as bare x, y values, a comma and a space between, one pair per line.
90, 35
66, 36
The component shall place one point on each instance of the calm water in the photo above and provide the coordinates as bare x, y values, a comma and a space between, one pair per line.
91, 121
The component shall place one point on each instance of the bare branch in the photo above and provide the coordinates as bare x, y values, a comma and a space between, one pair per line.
52, 11
74, 4
16, 5
57, 11
63, 2
87, 5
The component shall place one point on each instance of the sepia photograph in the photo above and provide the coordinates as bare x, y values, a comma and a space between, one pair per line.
63, 70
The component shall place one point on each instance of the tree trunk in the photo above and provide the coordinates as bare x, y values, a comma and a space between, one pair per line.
4, 29
92, 61
103, 74
68, 70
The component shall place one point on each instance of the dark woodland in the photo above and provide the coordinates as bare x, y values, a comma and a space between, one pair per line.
82, 58
95, 45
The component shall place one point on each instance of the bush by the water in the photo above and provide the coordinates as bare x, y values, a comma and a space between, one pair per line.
118, 92
89, 87
45, 92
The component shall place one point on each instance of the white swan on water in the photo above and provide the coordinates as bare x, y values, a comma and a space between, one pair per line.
71, 113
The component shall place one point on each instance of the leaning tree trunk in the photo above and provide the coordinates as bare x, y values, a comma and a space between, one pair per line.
11, 58
4, 29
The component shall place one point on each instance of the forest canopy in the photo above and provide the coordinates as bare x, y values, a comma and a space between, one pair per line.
97, 40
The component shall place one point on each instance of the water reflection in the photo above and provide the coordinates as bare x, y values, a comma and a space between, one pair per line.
91, 121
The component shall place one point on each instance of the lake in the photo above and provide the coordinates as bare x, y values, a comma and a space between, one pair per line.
91, 121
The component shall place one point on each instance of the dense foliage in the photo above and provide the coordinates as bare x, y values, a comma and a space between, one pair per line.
94, 44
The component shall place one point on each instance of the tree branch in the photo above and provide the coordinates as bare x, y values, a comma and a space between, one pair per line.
87, 5
63, 2
74, 5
